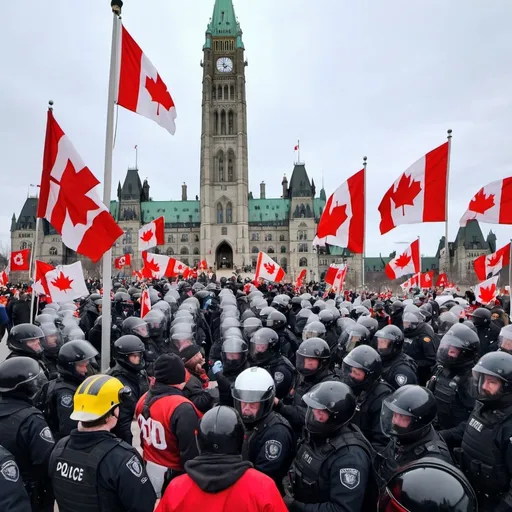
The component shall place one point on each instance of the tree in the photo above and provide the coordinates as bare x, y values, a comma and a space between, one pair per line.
4, 255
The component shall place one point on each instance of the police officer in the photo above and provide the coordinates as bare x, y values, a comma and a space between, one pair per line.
138, 327
487, 330
264, 351
451, 383
333, 466
313, 358
428, 484
51, 343
73, 365
26, 340
270, 441
361, 370
486, 451
129, 369
407, 417
23, 429
398, 369
92, 469
13, 496
288, 342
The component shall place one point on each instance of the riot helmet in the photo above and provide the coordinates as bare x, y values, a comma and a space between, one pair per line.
74, 359
155, 320
135, 326
52, 340
220, 432
314, 329
370, 323
129, 352
263, 346
21, 377
276, 320
26, 339
481, 317
446, 321
390, 340
492, 378
234, 353
459, 347
312, 357
361, 368
250, 326
505, 339
358, 334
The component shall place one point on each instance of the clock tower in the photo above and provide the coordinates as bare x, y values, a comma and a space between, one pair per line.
224, 165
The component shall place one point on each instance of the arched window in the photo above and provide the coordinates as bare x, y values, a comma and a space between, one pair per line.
284, 263
196, 238
231, 123
196, 250
220, 214
255, 250
229, 213
219, 92
23, 245
170, 239
214, 93
303, 262
281, 238
303, 247
231, 166
226, 93
223, 123
185, 261
53, 251
232, 95
216, 123
184, 250
170, 251
221, 166
253, 263
283, 249
270, 250
157, 250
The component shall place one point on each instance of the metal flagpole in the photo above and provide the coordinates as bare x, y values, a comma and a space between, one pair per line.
136, 157
298, 151
107, 182
32, 272
510, 275
363, 273
446, 244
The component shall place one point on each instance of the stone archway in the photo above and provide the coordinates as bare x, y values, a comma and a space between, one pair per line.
224, 256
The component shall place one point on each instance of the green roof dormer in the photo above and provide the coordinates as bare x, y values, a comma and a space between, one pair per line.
224, 23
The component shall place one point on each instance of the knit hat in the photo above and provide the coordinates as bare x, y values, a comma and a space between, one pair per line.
189, 352
169, 369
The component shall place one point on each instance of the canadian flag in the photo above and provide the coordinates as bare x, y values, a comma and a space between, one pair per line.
492, 204
40, 283
203, 265
4, 278
66, 282
20, 260
155, 265
296, 148
141, 89
419, 195
335, 276
177, 267
268, 269
410, 283
427, 279
342, 221
68, 198
138, 274
123, 261
300, 278
152, 234
491, 264
442, 280
145, 303
406, 263
487, 291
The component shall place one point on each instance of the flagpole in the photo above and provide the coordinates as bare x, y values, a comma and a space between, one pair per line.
446, 244
510, 275
298, 151
136, 157
32, 271
363, 273
107, 183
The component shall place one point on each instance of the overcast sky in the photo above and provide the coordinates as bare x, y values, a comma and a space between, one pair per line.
382, 79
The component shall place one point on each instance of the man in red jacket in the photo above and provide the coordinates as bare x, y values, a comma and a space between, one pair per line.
167, 422
218, 478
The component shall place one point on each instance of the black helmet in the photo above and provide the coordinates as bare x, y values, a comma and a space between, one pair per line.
331, 397
72, 352
233, 354
281, 303
390, 340
264, 345
52, 340
326, 316
220, 431
357, 334
470, 324
122, 297
481, 317
314, 329
411, 321
361, 368
248, 313
136, 326
156, 321
408, 413
44, 318
26, 339
426, 310
446, 321
276, 320
359, 311
254, 385
250, 326
370, 323
124, 347
428, 484
378, 306
397, 308
22, 377
264, 312
312, 349
459, 347
492, 369
505, 339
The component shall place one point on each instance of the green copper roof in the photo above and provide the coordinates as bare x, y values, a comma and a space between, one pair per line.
269, 210
224, 23
113, 209
173, 211
318, 206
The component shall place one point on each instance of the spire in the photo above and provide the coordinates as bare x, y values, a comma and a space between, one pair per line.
13, 222
224, 23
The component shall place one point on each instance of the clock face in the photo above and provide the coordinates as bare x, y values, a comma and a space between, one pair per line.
224, 65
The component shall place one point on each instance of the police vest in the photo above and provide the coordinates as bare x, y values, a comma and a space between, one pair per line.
138, 380
304, 386
306, 470
74, 476
365, 405
48, 401
483, 461
450, 409
388, 372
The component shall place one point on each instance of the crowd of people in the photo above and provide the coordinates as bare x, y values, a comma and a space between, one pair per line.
256, 399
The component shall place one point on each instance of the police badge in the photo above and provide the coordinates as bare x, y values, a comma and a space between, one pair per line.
400, 379
350, 477
66, 401
278, 377
135, 466
273, 449
10, 471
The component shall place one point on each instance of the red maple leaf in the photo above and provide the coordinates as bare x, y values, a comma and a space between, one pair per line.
62, 282
147, 235
405, 192
72, 196
159, 93
331, 219
152, 266
494, 259
487, 294
481, 202
269, 267
403, 260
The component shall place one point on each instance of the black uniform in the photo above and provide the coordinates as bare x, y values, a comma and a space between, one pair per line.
334, 474
225, 380
399, 371
488, 335
58, 406
270, 446
13, 496
283, 373
25, 433
96, 471
421, 344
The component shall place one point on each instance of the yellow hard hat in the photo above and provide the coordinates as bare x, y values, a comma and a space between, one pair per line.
97, 396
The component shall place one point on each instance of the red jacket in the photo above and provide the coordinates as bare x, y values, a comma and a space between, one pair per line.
253, 492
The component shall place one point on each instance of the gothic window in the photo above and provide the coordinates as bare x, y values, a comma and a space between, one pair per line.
214, 93
231, 119
128, 250
185, 261
282, 238
220, 214
53, 251
184, 250
29, 245
232, 95
255, 237
303, 262
219, 94
196, 238
221, 166
226, 93
302, 234
229, 213
216, 123
170, 239
283, 249
23, 245
196, 250
308, 211
223, 123
231, 159
284, 263
224, 231
184, 237
253, 263
303, 247
270, 250
170, 251
255, 250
